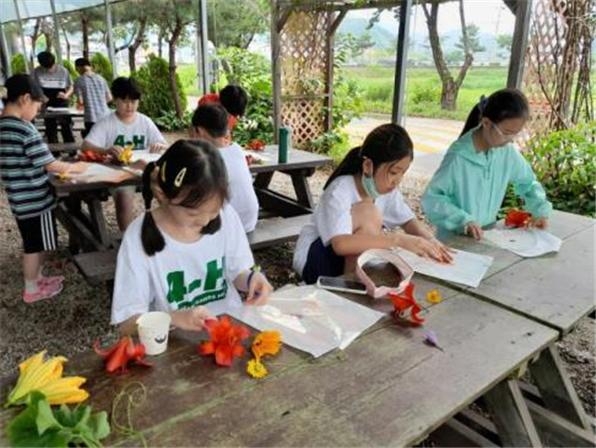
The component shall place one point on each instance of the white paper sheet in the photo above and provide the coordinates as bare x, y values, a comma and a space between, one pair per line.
310, 319
467, 268
144, 154
523, 242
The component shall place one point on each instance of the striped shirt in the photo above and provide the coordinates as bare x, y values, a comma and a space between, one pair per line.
92, 89
23, 156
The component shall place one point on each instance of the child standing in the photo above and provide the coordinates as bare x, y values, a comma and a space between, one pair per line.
467, 191
189, 256
25, 161
122, 128
210, 122
359, 200
57, 86
92, 93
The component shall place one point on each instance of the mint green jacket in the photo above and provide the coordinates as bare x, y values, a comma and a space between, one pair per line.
471, 185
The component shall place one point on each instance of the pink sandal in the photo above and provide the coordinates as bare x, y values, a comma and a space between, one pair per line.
50, 280
44, 291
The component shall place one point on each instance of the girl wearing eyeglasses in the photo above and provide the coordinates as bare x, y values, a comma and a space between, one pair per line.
467, 191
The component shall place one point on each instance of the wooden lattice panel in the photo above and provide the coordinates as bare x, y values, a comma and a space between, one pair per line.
306, 118
303, 62
552, 61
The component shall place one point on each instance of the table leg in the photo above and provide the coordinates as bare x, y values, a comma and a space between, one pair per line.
262, 180
99, 222
556, 389
302, 189
511, 415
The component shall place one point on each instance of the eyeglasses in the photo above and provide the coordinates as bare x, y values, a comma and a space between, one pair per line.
509, 137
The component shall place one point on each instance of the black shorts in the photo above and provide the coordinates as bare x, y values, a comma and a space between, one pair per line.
322, 260
39, 233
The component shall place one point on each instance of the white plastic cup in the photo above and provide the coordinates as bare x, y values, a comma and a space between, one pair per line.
153, 328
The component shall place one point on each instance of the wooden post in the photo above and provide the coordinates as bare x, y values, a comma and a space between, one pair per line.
203, 47
556, 389
401, 61
519, 44
275, 67
511, 416
332, 28
7, 70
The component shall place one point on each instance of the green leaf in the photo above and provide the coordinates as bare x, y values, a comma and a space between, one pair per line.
45, 417
99, 425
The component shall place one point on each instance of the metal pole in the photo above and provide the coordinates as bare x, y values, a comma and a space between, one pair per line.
401, 61
5, 53
56, 33
28, 63
519, 44
204, 46
110, 41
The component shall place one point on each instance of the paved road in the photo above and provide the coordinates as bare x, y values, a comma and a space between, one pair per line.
431, 138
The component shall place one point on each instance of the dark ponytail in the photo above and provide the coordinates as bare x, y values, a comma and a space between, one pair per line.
385, 144
193, 169
500, 105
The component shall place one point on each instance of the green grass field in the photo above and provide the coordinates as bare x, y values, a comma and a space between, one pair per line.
423, 89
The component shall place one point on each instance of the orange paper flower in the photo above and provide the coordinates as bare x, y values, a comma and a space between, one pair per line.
225, 340
266, 343
517, 218
434, 296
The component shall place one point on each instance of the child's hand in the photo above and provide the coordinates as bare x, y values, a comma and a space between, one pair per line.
445, 251
157, 147
192, 319
259, 289
421, 247
115, 151
539, 223
474, 230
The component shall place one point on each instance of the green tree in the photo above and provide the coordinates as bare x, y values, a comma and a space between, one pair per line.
235, 23
18, 64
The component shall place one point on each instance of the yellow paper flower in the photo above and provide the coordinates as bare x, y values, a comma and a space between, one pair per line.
126, 155
434, 296
256, 369
63, 177
46, 377
266, 343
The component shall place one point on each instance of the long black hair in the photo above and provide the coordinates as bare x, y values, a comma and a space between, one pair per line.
190, 167
500, 105
386, 143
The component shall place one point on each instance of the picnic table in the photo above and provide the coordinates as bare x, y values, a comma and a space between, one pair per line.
386, 388
556, 290
88, 229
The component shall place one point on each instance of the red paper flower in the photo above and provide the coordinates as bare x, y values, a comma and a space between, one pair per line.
225, 340
517, 218
405, 306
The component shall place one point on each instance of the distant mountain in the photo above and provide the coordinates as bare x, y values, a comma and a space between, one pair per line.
383, 37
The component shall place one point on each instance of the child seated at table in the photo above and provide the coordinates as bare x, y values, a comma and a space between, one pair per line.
124, 127
189, 256
233, 98
210, 122
467, 191
25, 162
359, 201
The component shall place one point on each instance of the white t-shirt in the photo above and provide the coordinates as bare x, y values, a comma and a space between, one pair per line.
182, 275
333, 215
241, 191
110, 131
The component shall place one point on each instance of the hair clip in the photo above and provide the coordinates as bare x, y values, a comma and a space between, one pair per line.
163, 172
180, 177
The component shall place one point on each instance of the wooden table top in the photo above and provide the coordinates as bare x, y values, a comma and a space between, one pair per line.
386, 388
555, 289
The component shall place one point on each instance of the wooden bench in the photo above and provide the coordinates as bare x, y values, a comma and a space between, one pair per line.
100, 266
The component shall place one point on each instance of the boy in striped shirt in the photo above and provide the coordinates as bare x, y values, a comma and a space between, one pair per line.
25, 161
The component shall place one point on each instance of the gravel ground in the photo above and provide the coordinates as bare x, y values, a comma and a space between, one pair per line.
69, 323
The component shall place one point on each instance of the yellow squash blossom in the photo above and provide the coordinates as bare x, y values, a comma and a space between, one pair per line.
126, 155
256, 368
46, 377
266, 343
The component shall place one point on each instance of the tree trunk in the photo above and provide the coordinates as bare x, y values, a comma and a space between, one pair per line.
132, 49
85, 31
449, 93
34, 38
67, 44
172, 67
